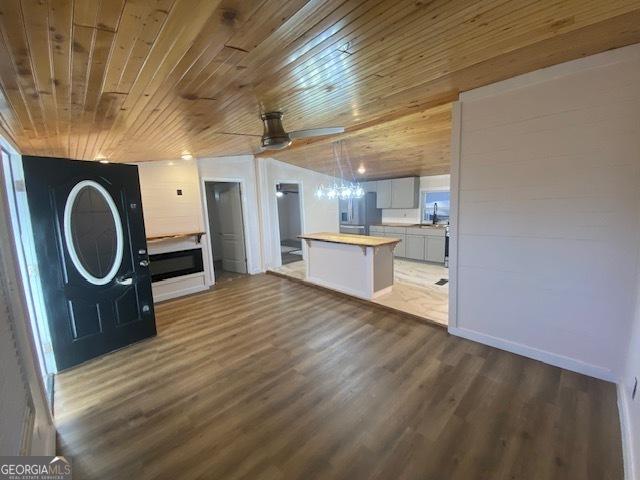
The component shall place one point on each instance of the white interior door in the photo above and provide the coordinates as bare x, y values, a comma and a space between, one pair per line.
229, 228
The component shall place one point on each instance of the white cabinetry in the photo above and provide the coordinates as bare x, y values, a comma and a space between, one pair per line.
416, 243
383, 190
405, 192
396, 192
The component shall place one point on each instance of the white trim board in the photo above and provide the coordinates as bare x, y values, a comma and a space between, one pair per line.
628, 455
541, 355
179, 286
276, 225
454, 199
245, 222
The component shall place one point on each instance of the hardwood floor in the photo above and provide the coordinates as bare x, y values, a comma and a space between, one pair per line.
414, 289
264, 378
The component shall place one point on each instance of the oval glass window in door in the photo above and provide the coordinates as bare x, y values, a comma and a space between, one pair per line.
93, 232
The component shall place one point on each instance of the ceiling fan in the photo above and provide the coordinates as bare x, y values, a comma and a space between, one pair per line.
276, 138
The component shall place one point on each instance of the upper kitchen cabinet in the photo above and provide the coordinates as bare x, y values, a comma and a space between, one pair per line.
405, 192
383, 189
395, 192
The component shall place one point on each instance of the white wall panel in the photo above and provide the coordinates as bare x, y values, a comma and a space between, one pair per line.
318, 214
548, 228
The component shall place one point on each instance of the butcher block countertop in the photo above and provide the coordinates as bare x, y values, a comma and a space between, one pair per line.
359, 240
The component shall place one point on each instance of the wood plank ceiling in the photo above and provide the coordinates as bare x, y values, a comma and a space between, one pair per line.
135, 80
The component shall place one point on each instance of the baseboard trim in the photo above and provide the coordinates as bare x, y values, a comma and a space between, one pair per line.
541, 355
625, 430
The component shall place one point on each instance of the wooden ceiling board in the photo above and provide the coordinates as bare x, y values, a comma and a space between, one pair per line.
416, 144
137, 80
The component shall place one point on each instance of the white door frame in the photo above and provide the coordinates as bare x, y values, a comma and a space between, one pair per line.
42, 440
245, 224
277, 222
456, 132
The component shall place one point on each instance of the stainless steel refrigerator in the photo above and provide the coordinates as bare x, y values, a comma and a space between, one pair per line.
358, 214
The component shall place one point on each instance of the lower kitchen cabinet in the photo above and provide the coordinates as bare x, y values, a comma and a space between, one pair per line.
415, 247
435, 249
416, 243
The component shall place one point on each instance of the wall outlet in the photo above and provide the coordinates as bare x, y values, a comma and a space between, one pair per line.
635, 388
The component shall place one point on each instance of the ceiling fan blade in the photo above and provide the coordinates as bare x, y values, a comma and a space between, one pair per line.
237, 134
316, 132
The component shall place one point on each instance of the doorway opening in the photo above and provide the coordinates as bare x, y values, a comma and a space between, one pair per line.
226, 229
289, 222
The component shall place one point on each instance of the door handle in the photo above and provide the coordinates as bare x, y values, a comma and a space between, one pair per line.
144, 263
125, 281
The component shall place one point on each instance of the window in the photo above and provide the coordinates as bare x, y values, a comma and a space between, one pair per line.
93, 232
435, 203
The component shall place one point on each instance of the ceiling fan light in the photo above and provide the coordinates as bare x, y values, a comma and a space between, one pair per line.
274, 136
275, 143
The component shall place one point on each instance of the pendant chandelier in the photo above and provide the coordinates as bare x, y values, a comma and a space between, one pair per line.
343, 190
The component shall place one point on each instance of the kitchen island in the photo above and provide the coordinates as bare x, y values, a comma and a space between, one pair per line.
358, 265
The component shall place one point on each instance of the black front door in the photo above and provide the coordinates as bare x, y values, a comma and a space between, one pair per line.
92, 255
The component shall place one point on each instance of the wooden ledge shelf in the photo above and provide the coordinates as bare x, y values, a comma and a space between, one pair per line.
173, 236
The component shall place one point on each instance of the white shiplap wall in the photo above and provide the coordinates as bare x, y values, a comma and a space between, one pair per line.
165, 212
317, 214
548, 231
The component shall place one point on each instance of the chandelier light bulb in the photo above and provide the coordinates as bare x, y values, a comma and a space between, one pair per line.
344, 191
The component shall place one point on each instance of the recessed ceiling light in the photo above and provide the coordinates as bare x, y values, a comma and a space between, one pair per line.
104, 160
361, 170
187, 156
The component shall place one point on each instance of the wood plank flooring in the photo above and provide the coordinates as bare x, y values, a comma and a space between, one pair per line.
414, 289
264, 378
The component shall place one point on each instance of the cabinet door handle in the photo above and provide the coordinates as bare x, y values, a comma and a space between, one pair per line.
144, 263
